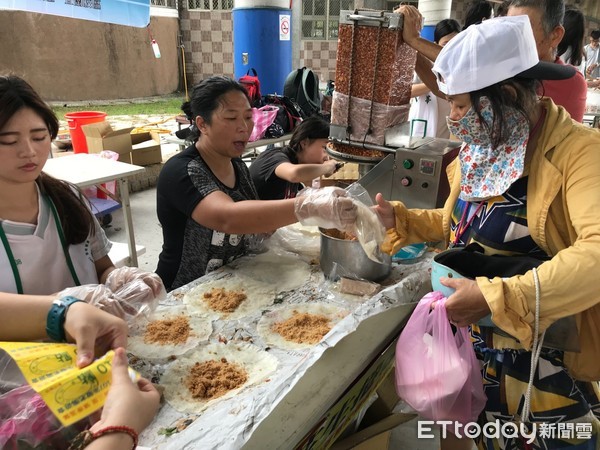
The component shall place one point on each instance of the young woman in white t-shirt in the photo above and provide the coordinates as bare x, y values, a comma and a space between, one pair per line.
429, 108
51, 241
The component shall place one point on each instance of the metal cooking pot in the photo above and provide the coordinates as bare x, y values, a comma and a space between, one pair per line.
345, 258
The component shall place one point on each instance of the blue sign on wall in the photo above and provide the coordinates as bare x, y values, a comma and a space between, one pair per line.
135, 13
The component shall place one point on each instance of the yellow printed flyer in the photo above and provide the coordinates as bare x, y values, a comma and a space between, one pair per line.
70, 393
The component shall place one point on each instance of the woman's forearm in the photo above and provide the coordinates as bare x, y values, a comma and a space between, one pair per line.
251, 216
23, 317
304, 173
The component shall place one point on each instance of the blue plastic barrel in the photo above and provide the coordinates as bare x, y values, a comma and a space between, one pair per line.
262, 40
427, 32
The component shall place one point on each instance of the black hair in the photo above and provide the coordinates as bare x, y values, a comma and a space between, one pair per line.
207, 97
574, 24
186, 107
595, 34
553, 11
312, 128
75, 216
503, 8
477, 12
501, 98
444, 28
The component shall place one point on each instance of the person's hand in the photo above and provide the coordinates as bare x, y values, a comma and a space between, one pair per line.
330, 167
102, 297
136, 290
327, 207
94, 294
91, 328
127, 404
412, 23
385, 211
123, 276
467, 305
593, 83
591, 68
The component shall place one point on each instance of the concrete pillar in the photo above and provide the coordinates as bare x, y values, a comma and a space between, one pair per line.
296, 33
433, 11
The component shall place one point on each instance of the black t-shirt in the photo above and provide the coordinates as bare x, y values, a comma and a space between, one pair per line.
268, 185
190, 250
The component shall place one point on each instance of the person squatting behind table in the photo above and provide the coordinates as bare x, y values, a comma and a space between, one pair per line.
208, 206
527, 181
280, 173
51, 241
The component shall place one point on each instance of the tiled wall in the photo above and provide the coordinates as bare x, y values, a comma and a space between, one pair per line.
320, 57
208, 40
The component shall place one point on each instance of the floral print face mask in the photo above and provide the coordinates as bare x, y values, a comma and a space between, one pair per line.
488, 171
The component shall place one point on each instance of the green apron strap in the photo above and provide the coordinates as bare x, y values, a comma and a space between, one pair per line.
11, 259
61, 235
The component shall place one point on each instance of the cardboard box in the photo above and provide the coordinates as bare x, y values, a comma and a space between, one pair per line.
101, 136
386, 401
337, 419
343, 178
376, 426
375, 437
145, 148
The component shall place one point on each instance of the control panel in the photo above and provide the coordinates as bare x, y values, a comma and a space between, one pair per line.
419, 174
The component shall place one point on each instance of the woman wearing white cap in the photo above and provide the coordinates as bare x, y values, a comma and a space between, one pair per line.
527, 181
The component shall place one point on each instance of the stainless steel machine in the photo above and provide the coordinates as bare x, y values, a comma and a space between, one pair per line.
415, 175
369, 115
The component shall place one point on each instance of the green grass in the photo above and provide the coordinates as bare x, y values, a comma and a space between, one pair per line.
160, 105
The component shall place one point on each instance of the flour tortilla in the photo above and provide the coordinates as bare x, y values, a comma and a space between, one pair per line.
280, 272
258, 295
257, 363
369, 230
201, 329
296, 238
272, 338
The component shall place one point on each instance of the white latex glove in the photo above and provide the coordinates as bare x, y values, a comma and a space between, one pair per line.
328, 207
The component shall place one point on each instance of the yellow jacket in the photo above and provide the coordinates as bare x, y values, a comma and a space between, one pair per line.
563, 215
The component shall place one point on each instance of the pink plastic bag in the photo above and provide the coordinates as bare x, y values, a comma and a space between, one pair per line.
437, 372
263, 118
26, 422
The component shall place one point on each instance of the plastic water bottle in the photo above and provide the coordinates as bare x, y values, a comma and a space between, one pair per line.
155, 49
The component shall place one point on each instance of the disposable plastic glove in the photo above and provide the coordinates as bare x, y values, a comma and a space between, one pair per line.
328, 207
103, 298
135, 285
121, 277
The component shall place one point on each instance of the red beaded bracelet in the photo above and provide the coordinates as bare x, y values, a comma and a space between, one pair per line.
84, 438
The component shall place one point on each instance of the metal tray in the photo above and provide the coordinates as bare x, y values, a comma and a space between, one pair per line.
357, 158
